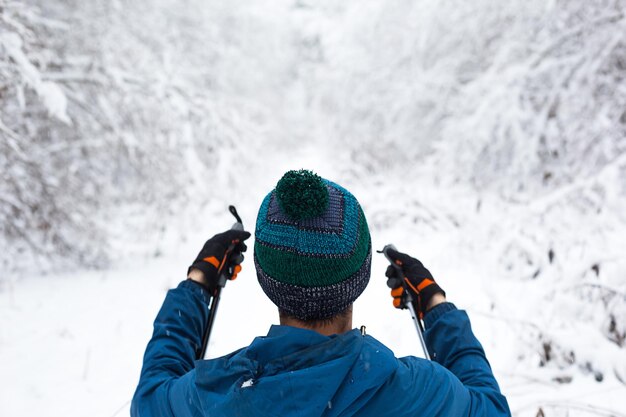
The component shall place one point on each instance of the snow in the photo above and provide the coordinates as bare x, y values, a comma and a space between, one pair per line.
488, 141
50, 93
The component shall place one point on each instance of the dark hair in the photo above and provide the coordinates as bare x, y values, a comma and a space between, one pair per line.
317, 323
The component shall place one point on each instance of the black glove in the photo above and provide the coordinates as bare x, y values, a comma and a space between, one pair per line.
419, 281
223, 252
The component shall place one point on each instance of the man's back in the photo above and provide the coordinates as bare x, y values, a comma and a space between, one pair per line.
299, 372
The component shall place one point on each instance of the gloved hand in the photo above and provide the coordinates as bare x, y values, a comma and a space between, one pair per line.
419, 281
223, 251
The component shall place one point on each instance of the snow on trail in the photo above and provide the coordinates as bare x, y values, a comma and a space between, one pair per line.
74, 340
71, 344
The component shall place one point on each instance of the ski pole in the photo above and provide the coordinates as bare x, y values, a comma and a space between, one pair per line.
225, 272
407, 299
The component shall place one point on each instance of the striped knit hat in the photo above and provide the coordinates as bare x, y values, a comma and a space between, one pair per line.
312, 251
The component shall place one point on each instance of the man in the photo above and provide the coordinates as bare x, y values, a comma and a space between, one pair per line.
312, 256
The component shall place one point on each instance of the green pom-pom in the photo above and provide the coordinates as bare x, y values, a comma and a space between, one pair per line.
302, 194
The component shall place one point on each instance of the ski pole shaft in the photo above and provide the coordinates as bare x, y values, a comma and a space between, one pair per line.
224, 275
215, 300
418, 327
407, 299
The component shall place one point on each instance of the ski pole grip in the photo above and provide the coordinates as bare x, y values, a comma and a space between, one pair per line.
239, 224
232, 259
393, 282
385, 252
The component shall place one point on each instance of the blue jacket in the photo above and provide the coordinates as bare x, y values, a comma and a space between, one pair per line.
298, 372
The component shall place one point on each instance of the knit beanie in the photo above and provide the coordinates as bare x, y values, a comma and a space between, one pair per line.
312, 251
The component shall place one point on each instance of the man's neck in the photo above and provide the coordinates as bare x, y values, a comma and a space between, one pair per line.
336, 325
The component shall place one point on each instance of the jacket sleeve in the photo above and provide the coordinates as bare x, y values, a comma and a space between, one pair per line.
452, 344
167, 383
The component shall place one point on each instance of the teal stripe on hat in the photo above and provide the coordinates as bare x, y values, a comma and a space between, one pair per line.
311, 242
312, 271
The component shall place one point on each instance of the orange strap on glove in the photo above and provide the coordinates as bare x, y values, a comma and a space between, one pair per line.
224, 250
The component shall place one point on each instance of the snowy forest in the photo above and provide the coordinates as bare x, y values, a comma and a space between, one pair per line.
486, 138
